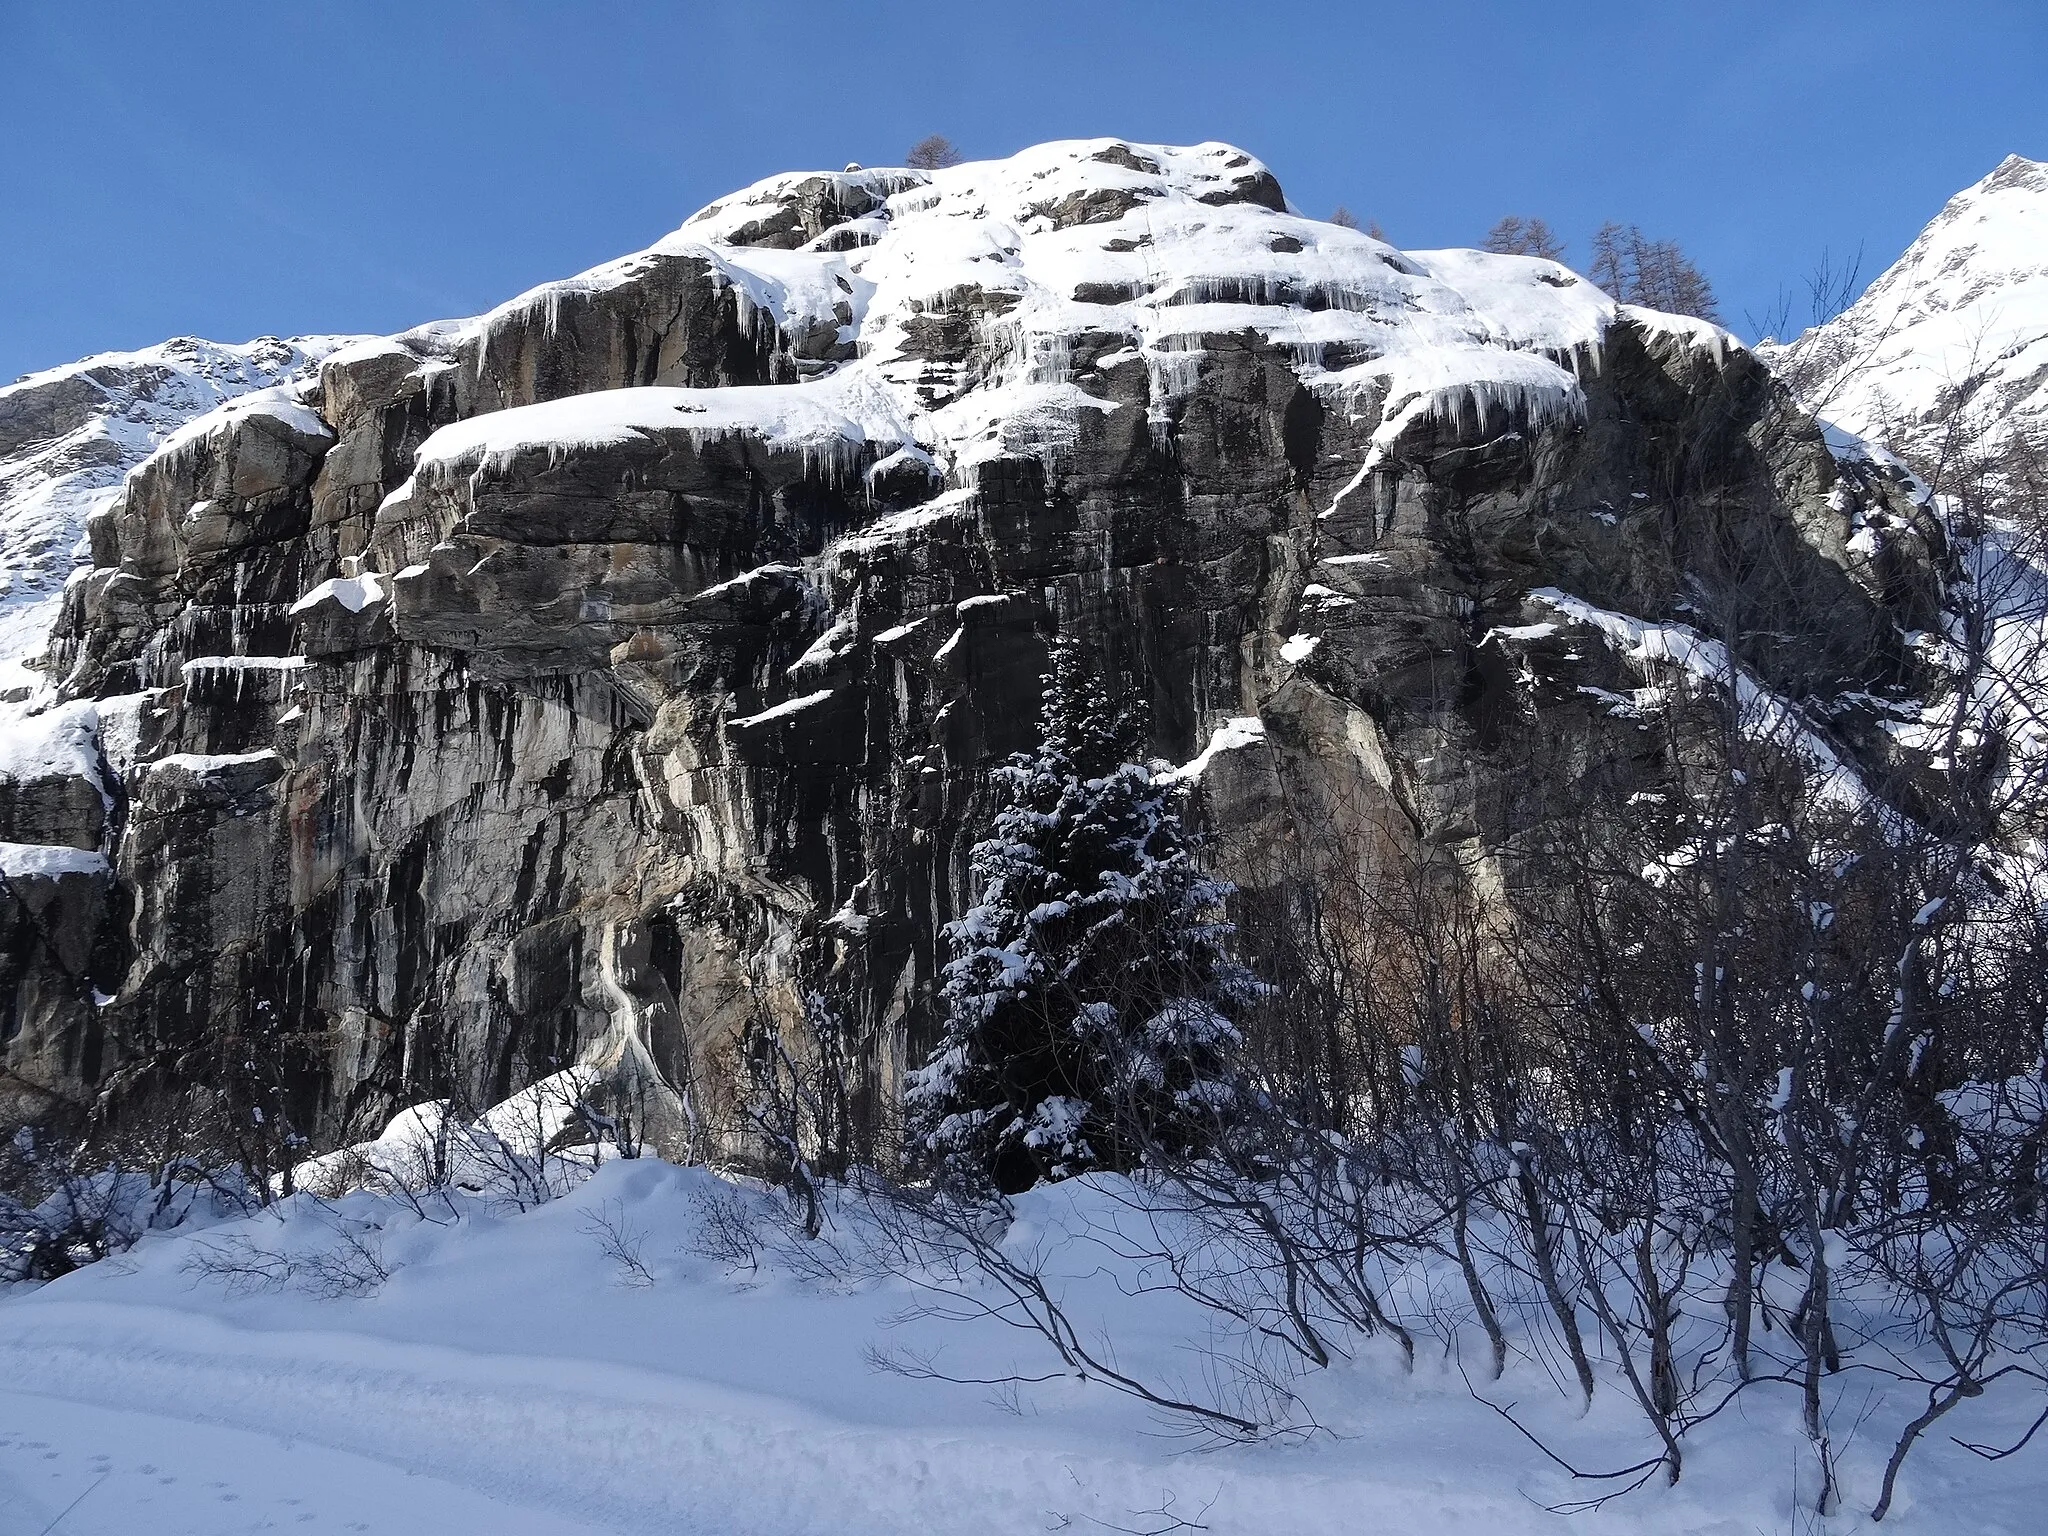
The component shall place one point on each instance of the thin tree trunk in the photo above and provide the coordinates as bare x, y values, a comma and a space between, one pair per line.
1542, 1251
1481, 1302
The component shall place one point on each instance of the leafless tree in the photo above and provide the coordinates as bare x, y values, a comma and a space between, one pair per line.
1515, 235
933, 152
618, 1242
1344, 218
801, 1103
1656, 274
952, 1245
1831, 287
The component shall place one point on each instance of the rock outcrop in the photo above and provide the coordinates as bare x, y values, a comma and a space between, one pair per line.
68, 436
581, 682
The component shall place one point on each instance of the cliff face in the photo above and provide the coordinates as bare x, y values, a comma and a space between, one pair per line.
578, 682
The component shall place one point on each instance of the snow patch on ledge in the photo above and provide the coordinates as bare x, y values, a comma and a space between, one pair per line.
1702, 335
1763, 716
243, 664
782, 711
830, 419
58, 743
732, 584
279, 403
355, 593
1483, 388
20, 861
1518, 633
898, 632
1847, 447
1232, 735
209, 762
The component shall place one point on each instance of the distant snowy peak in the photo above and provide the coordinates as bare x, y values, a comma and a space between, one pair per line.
1957, 323
69, 434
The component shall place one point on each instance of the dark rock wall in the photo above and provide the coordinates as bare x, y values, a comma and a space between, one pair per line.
531, 799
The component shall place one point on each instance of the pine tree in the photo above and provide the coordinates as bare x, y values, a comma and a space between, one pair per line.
1090, 990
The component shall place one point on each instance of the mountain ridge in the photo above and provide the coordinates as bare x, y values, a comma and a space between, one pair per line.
1955, 331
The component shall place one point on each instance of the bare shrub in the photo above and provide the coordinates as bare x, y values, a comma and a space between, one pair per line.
618, 1242
350, 1264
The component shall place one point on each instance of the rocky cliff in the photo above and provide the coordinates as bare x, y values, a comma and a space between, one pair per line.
580, 682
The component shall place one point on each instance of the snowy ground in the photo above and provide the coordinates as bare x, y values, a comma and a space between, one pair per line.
509, 1376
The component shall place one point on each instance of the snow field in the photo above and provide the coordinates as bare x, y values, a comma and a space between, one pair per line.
508, 1358
1960, 319
84, 1470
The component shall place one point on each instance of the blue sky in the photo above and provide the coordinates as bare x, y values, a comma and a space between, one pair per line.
232, 168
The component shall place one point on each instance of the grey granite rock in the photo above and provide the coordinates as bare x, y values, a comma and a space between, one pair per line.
651, 714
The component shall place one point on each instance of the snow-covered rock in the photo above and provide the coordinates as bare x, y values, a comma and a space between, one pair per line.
1139, 249
68, 435
1941, 369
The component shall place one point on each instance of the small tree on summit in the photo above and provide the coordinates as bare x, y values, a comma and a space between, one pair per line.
933, 152
1344, 218
1091, 989
1653, 273
1517, 236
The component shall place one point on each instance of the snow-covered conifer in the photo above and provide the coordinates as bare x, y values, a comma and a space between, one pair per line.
1091, 989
